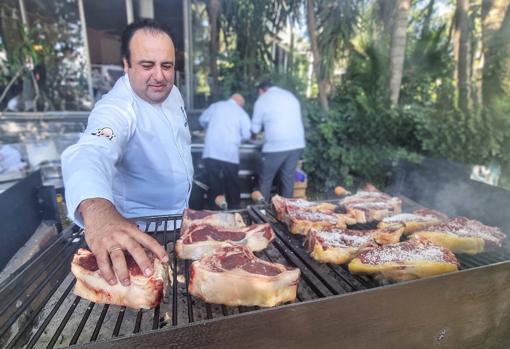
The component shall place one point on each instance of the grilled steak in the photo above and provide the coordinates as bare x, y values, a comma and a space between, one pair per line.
301, 215
284, 207
412, 222
463, 235
200, 239
406, 260
367, 206
233, 275
143, 292
219, 219
339, 246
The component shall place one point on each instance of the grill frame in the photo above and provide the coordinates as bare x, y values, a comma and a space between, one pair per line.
293, 325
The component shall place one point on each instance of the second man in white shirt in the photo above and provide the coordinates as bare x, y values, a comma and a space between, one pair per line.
227, 125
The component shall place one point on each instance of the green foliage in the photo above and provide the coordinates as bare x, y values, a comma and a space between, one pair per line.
26, 54
359, 139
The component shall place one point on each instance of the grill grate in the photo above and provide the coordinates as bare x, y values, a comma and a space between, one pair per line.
38, 309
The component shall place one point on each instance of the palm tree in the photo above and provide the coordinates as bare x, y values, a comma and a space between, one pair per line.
398, 47
312, 30
331, 25
496, 47
461, 54
213, 12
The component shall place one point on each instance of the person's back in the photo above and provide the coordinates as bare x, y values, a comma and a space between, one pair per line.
281, 119
278, 113
227, 125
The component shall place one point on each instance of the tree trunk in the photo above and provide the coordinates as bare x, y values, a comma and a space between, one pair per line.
321, 81
428, 18
398, 48
461, 54
213, 10
496, 47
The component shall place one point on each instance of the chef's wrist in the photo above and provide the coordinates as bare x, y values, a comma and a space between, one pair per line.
91, 208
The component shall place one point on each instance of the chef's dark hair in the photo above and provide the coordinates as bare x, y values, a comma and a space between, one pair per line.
147, 24
264, 85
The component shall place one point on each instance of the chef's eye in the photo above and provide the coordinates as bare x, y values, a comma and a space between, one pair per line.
147, 66
167, 66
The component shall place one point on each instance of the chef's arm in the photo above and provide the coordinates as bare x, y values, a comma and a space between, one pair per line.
108, 235
256, 120
88, 169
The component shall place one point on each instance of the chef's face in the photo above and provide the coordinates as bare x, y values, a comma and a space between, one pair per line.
151, 73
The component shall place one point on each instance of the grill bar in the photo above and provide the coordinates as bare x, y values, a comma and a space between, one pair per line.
83, 321
120, 317
49, 317
24, 283
99, 323
138, 321
54, 339
28, 302
174, 286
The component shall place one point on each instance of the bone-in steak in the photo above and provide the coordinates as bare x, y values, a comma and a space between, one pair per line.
200, 239
219, 219
232, 275
143, 292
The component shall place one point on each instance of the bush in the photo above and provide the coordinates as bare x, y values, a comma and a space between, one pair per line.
357, 140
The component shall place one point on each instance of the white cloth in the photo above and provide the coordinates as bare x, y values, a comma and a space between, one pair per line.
134, 154
10, 159
227, 125
278, 112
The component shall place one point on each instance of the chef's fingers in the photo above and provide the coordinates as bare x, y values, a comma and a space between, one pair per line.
138, 252
103, 262
120, 266
150, 243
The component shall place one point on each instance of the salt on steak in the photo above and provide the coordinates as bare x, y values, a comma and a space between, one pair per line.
219, 219
200, 239
406, 260
301, 222
143, 292
301, 215
463, 235
366, 206
339, 246
415, 221
284, 206
232, 275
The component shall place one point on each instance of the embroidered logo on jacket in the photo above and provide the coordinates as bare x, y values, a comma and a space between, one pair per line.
104, 132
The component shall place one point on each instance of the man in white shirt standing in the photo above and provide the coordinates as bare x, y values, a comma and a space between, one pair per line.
134, 158
278, 113
227, 125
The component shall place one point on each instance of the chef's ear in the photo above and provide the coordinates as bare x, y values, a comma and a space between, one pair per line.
126, 65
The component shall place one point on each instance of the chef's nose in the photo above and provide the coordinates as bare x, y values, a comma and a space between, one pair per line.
157, 73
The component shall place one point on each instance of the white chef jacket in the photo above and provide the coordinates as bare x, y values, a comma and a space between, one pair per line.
227, 125
135, 154
279, 113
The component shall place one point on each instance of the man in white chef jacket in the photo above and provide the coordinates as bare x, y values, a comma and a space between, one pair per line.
227, 124
278, 113
134, 159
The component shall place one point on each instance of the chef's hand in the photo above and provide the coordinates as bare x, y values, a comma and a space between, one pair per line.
108, 234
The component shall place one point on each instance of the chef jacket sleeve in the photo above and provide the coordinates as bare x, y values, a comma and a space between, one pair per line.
257, 119
245, 126
88, 166
203, 120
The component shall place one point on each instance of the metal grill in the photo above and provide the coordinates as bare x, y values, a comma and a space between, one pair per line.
39, 310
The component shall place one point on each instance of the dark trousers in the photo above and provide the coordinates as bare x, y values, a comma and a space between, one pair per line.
223, 178
284, 164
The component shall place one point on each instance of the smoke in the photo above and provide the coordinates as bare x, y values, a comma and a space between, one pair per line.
446, 187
